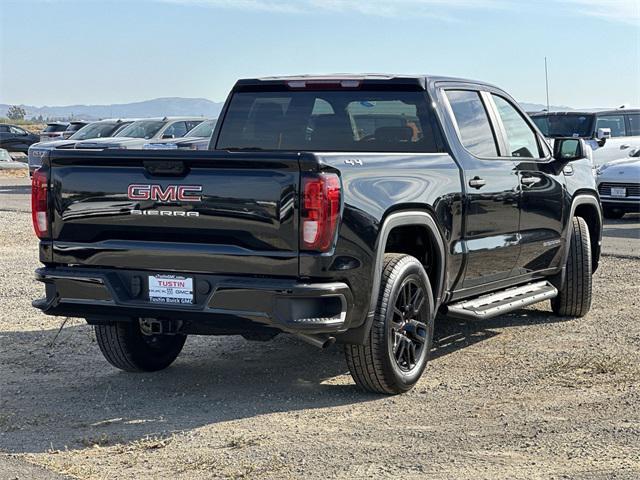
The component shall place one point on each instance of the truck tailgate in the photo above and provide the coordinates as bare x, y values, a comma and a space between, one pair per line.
227, 213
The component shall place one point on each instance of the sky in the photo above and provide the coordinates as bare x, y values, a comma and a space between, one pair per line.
60, 52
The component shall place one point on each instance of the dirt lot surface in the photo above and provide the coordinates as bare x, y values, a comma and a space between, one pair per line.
522, 396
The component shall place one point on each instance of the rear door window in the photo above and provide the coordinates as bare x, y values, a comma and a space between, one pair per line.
614, 122
634, 124
472, 119
521, 139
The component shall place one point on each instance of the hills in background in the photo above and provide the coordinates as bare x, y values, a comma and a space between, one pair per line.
159, 107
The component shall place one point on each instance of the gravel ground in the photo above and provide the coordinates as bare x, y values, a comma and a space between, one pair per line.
522, 396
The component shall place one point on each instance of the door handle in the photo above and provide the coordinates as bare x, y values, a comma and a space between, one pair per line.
477, 182
530, 180
624, 147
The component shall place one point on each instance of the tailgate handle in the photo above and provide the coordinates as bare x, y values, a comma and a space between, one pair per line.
165, 168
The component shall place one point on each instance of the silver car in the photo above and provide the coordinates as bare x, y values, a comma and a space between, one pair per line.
134, 136
619, 185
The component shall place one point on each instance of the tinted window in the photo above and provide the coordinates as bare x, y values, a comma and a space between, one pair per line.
204, 130
473, 122
141, 129
192, 124
94, 130
634, 124
614, 122
570, 125
521, 139
329, 120
177, 130
17, 131
542, 124
55, 128
74, 127
4, 129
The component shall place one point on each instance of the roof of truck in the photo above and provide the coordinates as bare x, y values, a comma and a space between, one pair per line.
368, 77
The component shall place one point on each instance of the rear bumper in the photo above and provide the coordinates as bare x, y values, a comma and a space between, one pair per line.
225, 304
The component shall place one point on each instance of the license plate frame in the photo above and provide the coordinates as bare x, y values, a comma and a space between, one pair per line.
618, 191
170, 289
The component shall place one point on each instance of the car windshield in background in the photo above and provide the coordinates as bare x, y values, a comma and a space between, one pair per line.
94, 130
204, 130
54, 128
572, 125
141, 129
329, 120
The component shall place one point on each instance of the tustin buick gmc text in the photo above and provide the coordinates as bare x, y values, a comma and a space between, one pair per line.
346, 209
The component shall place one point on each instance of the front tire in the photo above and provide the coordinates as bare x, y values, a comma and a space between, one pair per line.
125, 347
574, 298
397, 349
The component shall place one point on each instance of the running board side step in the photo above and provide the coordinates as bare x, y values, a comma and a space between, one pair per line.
504, 301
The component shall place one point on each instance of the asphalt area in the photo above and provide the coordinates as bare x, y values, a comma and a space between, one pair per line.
522, 396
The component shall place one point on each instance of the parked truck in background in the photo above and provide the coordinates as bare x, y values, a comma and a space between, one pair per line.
611, 134
334, 208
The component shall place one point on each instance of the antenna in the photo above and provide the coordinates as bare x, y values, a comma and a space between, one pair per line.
546, 80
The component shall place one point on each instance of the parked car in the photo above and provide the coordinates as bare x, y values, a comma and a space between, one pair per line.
8, 163
610, 133
16, 139
53, 131
195, 139
99, 129
308, 218
73, 127
134, 136
619, 185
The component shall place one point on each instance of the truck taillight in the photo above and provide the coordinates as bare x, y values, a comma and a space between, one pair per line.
320, 211
39, 194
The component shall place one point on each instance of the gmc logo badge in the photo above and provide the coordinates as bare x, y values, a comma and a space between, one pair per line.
170, 193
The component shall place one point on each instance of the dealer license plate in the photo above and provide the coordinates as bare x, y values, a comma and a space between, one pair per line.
170, 289
618, 192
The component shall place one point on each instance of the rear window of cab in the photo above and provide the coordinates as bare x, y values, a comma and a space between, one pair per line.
329, 120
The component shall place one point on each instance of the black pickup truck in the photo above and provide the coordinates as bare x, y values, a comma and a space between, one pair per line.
338, 208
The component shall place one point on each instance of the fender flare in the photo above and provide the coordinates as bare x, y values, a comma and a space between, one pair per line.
358, 335
403, 218
582, 199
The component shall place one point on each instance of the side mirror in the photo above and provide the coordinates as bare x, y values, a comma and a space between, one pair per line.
569, 149
167, 135
603, 134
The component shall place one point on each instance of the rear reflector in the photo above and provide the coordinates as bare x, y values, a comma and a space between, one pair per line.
320, 213
39, 194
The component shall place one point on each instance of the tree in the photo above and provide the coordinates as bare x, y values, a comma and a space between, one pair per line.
16, 112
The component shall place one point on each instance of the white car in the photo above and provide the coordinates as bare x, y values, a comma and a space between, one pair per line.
619, 185
611, 133
140, 132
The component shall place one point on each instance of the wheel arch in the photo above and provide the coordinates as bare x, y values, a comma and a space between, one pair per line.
426, 222
587, 206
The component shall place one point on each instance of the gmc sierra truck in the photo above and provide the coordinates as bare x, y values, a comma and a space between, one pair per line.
335, 208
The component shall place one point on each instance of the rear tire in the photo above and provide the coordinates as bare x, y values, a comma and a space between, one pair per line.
574, 298
613, 213
125, 347
397, 349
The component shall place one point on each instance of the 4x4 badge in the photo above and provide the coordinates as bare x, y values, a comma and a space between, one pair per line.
357, 161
